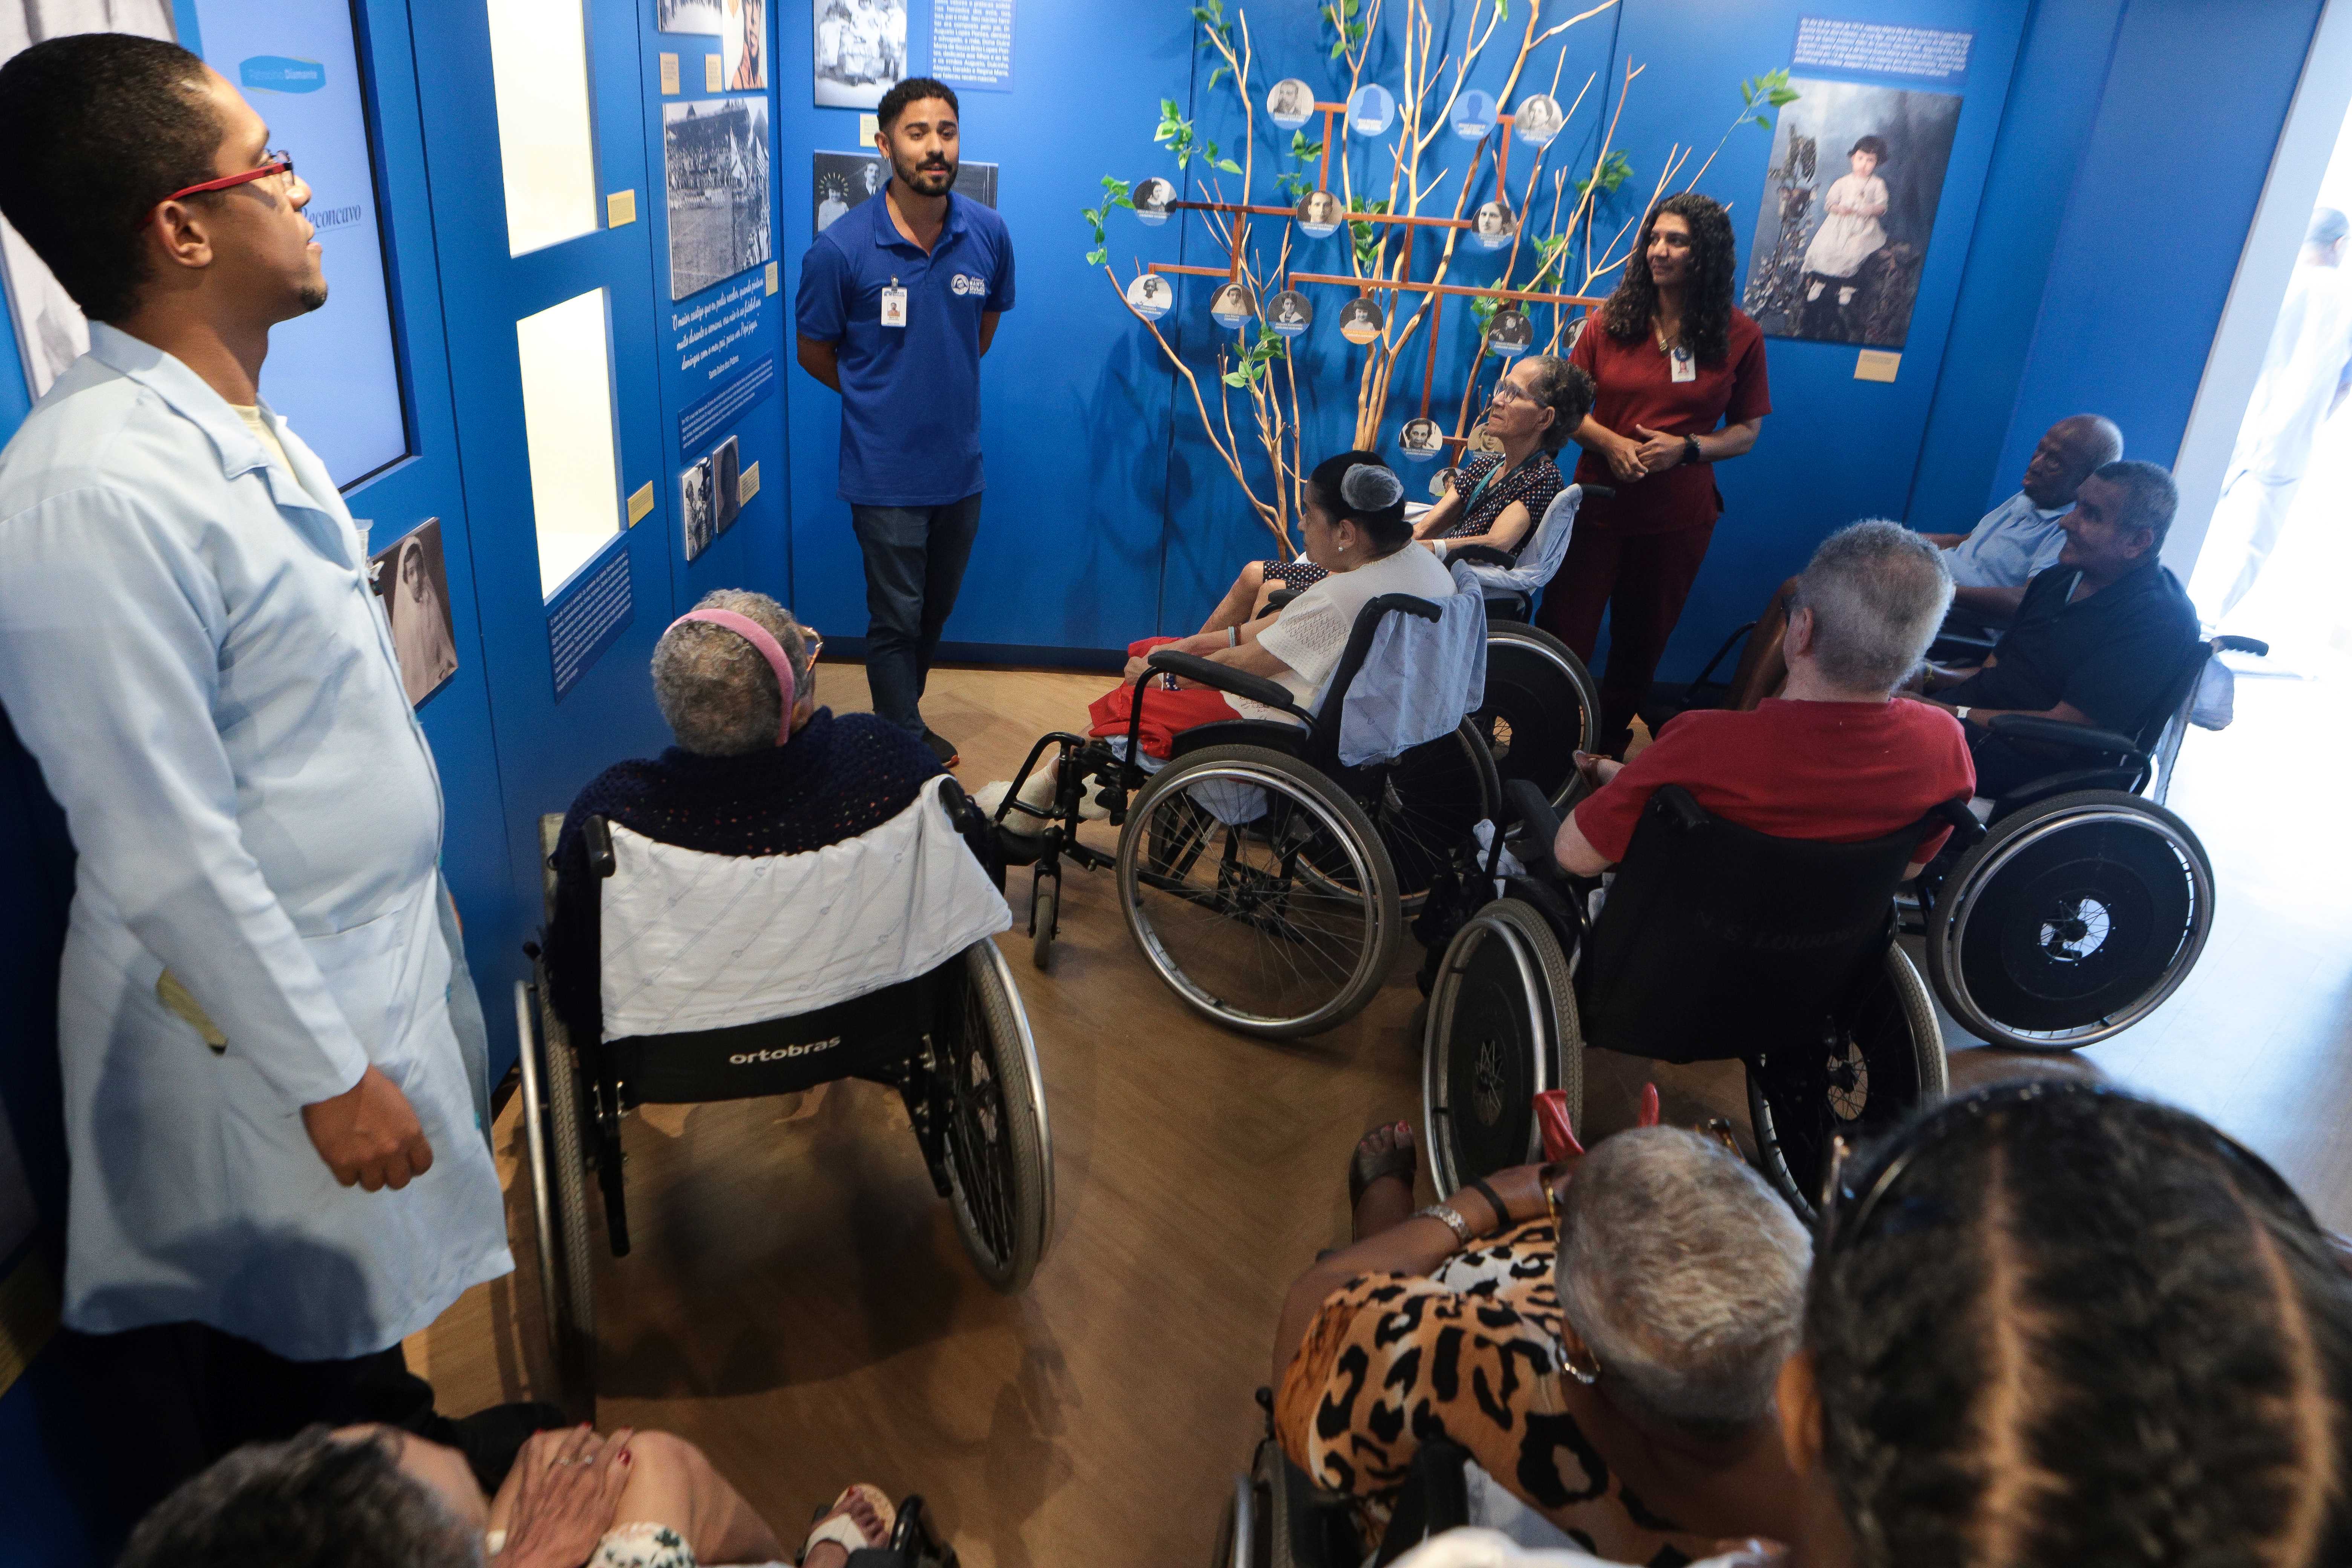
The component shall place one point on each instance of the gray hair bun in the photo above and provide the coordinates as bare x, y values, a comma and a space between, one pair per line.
1369, 486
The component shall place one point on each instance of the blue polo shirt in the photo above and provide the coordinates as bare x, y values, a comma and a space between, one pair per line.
910, 395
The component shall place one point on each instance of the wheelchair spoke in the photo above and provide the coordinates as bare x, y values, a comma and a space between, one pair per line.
976, 1126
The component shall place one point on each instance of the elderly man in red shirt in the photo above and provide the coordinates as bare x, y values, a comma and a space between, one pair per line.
1837, 757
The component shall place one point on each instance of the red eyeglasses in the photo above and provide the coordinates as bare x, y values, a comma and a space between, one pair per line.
279, 164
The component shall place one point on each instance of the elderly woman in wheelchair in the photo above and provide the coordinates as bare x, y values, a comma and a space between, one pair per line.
782, 900
1601, 1337
1296, 780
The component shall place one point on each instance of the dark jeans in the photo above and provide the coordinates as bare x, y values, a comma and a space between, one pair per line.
1640, 581
177, 1397
915, 558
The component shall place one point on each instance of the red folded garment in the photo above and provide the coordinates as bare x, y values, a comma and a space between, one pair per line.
1166, 714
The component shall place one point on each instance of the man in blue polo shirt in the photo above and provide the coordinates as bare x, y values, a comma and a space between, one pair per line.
1992, 562
899, 300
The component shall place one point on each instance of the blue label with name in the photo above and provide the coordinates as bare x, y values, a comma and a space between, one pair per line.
278, 73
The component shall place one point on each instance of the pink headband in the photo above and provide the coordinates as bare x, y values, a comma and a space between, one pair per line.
759, 637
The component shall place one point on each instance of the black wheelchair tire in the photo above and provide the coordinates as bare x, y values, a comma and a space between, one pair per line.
1272, 770
1793, 1135
1290, 1524
1531, 980
1005, 1060
1045, 910
1978, 980
555, 1119
1530, 672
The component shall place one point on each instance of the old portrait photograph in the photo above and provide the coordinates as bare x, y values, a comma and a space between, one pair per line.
411, 578
861, 51
841, 180
726, 486
691, 16
715, 163
50, 331
694, 507
1849, 204
743, 45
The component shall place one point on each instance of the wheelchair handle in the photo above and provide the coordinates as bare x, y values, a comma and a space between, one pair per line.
599, 835
1479, 555
1606, 493
2233, 644
1965, 826
1226, 678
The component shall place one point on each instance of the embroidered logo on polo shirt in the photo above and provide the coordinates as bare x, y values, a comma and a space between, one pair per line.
964, 285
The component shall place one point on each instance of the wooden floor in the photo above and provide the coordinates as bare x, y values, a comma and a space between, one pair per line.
797, 1303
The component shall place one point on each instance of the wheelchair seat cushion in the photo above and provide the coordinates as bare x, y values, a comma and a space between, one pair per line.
1418, 677
691, 941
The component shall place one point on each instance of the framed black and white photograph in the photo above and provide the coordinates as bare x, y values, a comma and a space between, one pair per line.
1320, 212
1510, 333
51, 331
743, 45
726, 486
1152, 197
861, 51
1494, 224
1289, 103
841, 180
695, 509
1849, 200
691, 16
1360, 321
1537, 119
1230, 305
715, 163
411, 578
1421, 439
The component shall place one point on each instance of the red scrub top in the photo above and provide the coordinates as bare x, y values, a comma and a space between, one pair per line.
1636, 386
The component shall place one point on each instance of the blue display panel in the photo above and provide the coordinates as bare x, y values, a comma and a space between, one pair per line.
334, 374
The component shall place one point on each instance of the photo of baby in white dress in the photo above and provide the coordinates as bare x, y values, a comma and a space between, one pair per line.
1851, 234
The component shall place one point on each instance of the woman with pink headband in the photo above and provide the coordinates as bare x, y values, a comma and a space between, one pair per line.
757, 769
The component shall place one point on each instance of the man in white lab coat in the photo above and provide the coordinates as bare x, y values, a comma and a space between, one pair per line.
278, 1163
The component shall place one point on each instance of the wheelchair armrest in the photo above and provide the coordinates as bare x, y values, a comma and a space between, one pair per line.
1965, 828
1280, 599
599, 835
1226, 678
1606, 493
1480, 555
2058, 733
2233, 644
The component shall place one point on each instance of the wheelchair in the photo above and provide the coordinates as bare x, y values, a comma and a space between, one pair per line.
1265, 880
1278, 1518
2089, 901
954, 1041
1541, 705
1714, 942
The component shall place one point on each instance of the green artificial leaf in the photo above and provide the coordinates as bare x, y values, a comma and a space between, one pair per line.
1228, 166
1096, 257
1785, 95
1170, 111
1235, 378
1350, 7
1302, 149
1765, 121
1215, 74
1340, 48
1502, 10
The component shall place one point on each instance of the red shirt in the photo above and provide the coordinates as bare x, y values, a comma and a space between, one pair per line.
1635, 385
1838, 772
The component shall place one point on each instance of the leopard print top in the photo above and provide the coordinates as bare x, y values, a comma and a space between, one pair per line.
1471, 1353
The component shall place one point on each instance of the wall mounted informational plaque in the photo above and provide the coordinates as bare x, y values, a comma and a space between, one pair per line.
583, 622
333, 373
1925, 55
971, 44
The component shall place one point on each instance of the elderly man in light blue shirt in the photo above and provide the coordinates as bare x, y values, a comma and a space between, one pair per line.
275, 1125
1992, 562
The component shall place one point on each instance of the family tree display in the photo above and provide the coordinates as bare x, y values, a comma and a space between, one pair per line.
1376, 218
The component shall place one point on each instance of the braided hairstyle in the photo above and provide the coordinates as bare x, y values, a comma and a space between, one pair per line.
1706, 296
2084, 1330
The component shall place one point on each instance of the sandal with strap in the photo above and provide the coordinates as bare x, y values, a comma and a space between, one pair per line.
1367, 1166
839, 1526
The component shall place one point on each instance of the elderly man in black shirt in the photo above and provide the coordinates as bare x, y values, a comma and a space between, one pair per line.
2098, 638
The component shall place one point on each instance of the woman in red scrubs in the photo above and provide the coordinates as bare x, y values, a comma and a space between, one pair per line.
1680, 374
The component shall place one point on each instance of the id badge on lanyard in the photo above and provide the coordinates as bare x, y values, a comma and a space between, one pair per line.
1680, 365
894, 306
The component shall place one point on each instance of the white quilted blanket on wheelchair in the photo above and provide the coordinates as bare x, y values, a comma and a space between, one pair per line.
692, 941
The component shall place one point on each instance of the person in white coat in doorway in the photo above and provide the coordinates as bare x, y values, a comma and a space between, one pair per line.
271, 1049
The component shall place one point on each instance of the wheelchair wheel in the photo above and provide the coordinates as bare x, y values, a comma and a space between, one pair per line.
555, 1118
1259, 891
1502, 1029
1428, 801
1000, 1152
1044, 911
2071, 920
1541, 708
1277, 1518
1887, 1057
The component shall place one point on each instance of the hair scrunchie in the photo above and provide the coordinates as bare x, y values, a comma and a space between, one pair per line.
1369, 486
